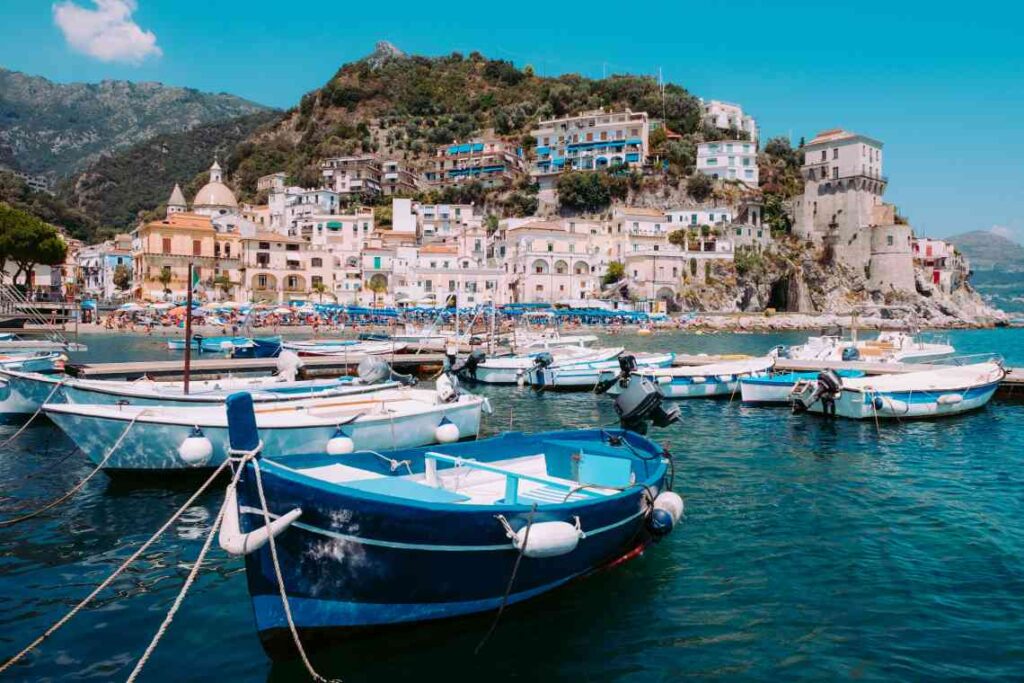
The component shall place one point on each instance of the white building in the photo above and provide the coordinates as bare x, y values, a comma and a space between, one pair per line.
729, 117
589, 141
729, 160
97, 264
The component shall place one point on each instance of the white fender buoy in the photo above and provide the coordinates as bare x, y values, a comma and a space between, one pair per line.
664, 379
894, 406
547, 539
670, 502
196, 450
698, 379
447, 431
231, 538
520, 379
950, 399
340, 443
725, 378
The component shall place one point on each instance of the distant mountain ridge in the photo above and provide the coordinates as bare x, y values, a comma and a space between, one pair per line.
54, 129
990, 251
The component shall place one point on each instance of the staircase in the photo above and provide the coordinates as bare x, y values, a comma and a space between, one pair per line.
14, 304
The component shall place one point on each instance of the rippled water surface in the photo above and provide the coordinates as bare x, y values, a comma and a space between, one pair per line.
811, 550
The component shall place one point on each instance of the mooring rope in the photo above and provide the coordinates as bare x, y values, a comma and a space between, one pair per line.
280, 583
117, 572
74, 489
6, 442
190, 579
511, 579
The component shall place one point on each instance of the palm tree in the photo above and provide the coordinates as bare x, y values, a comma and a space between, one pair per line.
320, 288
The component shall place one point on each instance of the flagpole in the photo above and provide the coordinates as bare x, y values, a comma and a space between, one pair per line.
188, 328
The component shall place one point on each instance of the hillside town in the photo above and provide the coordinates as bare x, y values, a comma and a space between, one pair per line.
343, 242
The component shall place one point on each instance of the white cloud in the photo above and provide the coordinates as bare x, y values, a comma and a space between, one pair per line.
107, 32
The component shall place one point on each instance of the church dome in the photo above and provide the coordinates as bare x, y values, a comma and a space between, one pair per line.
215, 194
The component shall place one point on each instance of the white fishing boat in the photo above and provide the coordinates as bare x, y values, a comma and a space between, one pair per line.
934, 392
341, 347
24, 392
513, 369
889, 347
12, 343
576, 376
720, 378
39, 361
141, 438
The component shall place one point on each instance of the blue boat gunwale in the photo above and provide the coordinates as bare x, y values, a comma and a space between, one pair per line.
650, 481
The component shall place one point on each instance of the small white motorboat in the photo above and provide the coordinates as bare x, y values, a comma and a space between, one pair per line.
177, 438
576, 376
514, 369
888, 347
935, 392
720, 378
341, 347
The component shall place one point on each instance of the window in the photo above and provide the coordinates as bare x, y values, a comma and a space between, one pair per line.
889, 240
165, 271
317, 280
551, 246
316, 263
264, 245
197, 248
712, 161
261, 281
167, 245
263, 260
291, 247
824, 155
835, 153
835, 173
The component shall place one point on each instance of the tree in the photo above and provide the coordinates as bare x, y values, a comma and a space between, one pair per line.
122, 277
224, 284
699, 187
28, 242
165, 279
320, 288
775, 214
616, 271
679, 237
378, 284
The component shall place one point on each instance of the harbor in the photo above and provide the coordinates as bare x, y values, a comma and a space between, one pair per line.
785, 495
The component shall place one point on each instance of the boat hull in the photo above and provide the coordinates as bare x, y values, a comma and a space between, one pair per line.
354, 561
909, 405
154, 445
585, 377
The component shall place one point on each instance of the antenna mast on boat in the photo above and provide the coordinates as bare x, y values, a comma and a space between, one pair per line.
188, 329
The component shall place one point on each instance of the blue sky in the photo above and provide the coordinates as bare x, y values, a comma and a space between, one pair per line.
941, 85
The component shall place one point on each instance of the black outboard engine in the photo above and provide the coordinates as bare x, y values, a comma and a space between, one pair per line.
627, 366
640, 403
373, 370
543, 360
467, 367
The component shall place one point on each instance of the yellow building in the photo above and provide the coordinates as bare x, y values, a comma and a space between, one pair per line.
162, 251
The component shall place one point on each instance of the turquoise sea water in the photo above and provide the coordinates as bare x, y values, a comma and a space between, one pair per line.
811, 549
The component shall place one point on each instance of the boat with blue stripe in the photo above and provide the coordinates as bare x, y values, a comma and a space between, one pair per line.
935, 392
716, 378
776, 388
374, 539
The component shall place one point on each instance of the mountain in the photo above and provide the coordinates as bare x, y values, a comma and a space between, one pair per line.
990, 251
53, 129
405, 106
16, 192
114, 189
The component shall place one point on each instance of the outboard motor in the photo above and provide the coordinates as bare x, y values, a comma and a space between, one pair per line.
827, 388
627, 365
447, 386
373, 370
640, 403
467, 367
543, 360
288, 365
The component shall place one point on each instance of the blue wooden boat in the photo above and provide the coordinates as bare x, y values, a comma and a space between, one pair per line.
368, 540
211, 344
261, 347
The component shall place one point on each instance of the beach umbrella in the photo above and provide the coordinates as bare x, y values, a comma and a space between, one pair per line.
132, 306
178, 310
282, 310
